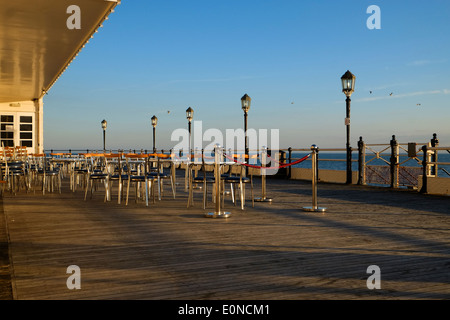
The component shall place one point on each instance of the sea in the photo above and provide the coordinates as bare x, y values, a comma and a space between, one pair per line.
326, 161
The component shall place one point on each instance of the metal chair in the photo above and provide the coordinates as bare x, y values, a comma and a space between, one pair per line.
16, 168
205, 178
114, 165
4, 175
156, 169
96, 172
41, 172
239, 180
79, 171
137, 169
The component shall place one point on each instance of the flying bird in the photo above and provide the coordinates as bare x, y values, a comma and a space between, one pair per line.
419, 104
370, 92
391, 93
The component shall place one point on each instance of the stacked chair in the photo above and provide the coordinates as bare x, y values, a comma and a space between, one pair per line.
43, 173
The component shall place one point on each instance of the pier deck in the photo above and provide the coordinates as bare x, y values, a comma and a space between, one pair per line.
272, 251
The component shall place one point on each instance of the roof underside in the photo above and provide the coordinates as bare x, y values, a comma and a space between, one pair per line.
36, 46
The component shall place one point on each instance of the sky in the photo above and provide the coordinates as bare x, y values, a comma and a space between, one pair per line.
160, 57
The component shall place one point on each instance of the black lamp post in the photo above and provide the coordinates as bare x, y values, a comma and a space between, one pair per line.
154, 123
348, 87
104, 124
245, 103
189, 117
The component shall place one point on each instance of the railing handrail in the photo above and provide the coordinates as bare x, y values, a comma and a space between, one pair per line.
438, 148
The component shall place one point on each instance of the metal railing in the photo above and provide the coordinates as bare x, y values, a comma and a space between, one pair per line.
393, 164
430, 164
394, 170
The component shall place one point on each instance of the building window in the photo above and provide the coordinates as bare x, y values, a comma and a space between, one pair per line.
7, 130
26, 131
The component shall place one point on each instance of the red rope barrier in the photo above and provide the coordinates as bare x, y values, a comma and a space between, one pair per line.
270, 168
260, 167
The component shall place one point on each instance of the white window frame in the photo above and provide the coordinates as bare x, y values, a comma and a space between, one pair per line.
17, 131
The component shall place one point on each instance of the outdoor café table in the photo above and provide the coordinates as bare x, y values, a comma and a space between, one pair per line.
218, 163
68, 165
172, 165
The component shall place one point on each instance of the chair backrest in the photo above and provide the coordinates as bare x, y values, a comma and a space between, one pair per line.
132, 161
8, 152
21, 152
111, 166
240, 160
94, 161
39, 161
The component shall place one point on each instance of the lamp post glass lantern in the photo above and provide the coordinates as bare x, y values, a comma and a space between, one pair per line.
245, 104
189, 117
348, 87
104, 124
189, 114
348, 83
154, 123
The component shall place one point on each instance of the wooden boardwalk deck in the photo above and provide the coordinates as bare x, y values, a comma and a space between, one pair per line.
272, 251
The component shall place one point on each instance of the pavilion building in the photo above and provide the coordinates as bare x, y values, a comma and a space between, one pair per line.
38, 41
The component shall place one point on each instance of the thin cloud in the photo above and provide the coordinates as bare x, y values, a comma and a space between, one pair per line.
386, 86
213, 79
404, 95
418, 63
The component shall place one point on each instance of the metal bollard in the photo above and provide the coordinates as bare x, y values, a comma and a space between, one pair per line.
314, 207
263, 178
217, 185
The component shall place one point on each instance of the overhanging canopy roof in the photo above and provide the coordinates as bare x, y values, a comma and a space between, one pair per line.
36, 46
